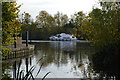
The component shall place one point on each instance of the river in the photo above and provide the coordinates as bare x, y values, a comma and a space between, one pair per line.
63, 59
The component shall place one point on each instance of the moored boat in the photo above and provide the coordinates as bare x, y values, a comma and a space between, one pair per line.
63, 37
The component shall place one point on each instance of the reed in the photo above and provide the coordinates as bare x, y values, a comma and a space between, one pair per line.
22, 75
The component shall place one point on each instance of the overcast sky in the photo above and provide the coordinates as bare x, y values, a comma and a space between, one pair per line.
68, 7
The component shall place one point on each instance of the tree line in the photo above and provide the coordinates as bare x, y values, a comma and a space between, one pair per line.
94, 26
47, 25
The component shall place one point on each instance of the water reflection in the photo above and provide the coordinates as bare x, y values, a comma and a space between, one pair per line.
64, 46
64, 59
69, 59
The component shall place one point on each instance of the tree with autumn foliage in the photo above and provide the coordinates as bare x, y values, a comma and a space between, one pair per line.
48, 25
103, 29
10, 24
77, 20
26, 21
102, 26
10, 30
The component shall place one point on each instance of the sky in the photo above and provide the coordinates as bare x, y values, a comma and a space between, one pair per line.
69, 7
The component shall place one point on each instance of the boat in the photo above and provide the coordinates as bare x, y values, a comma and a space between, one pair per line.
63, 37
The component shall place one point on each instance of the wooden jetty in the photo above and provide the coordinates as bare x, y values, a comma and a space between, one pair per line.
21, 50
18, 52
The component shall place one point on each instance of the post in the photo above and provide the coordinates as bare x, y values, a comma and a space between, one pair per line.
15, 40
26, 65
30, 61
14, 65
26, 38
30, 36
14, 70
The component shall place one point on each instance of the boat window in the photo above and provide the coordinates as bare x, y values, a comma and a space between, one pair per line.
58, 36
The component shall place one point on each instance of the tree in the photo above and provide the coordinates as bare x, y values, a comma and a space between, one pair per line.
60, 19
27, 26
77, 20
26, 21
45, 22
105, 23
113, 5
68, 28
44, 19
105, 29
50, 25
10, 29
10, 24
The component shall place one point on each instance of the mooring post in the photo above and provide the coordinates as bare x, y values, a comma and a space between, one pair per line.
27, 38
14, 70
26, 65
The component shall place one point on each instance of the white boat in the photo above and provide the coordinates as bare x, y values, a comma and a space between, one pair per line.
63, 37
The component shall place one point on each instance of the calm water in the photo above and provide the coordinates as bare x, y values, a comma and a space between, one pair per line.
64, 59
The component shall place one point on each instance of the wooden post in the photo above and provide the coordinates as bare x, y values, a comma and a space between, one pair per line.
14, 70
26, 65
30, 61
26, 38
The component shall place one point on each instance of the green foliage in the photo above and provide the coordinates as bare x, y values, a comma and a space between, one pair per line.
44, 20
95, 26
60, 19
102, 26
105, 26
10, 30
10, 23
5, 74
77, 20
26, 22
47, 25
110, 5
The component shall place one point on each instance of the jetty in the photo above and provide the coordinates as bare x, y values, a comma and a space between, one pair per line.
20, 50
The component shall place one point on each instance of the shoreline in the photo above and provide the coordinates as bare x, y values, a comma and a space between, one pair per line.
35, 41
